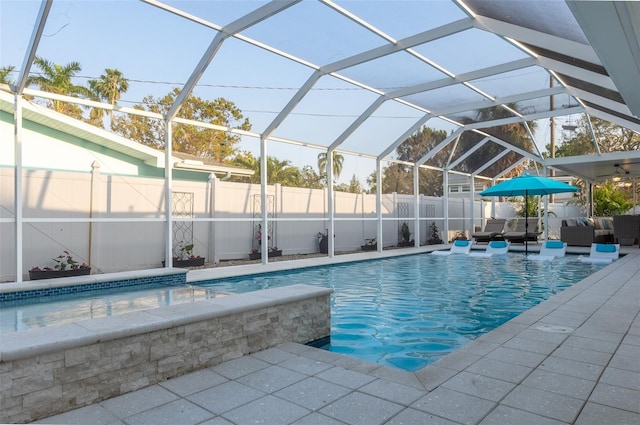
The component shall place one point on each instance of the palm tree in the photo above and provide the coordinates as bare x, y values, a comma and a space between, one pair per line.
337, 164
109, 87
4, 74
58, 79
277, 171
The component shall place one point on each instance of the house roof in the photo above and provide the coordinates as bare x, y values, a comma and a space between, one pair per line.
360, 77
153, 157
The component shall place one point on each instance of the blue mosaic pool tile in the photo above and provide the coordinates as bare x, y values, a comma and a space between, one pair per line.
165, 280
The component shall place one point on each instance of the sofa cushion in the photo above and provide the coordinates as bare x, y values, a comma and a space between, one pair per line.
571, 222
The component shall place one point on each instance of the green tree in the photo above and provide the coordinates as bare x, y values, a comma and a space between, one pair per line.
515, 134
609, 137
278, 171
5, 71
337, 164
608, 200
202, 142
353, 186
110, 87
399, 177
58, 79
309, 178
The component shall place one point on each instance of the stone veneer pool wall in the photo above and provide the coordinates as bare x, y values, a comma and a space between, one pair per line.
47, 371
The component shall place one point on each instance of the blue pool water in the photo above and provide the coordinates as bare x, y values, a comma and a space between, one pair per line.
22, 315
404, 312
409, 311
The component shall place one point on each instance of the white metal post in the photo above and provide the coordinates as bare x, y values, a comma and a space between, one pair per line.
168, 189
379, 201
17, 181
416, 206
330, 204
445, 207
264, 226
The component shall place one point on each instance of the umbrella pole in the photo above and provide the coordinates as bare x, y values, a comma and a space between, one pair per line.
526, 222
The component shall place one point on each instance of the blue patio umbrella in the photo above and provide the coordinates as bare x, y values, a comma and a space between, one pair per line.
526, 185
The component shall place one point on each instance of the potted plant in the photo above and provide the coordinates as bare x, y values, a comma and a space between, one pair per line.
256, 253
434, 235
369, 245
65, 266
183, 256
272, 252
405, 235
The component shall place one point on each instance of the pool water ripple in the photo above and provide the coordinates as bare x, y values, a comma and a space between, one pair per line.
409, 311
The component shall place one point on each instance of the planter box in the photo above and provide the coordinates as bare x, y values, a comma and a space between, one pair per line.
406, 243
369, 247
258, 255
192, 262
52, 274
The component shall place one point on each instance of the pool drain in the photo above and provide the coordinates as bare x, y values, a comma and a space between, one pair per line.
555, 329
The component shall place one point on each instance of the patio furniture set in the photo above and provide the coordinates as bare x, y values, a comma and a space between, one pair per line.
578, 231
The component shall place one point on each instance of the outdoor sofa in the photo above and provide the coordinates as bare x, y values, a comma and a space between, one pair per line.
583, 231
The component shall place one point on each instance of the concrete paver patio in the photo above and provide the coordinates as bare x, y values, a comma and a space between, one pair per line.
573, 359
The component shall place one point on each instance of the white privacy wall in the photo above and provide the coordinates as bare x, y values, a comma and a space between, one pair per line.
127, 231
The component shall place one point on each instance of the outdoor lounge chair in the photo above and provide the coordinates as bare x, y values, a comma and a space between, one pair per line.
520, 233
459, 247
550, 250
602, 253
494, 248
492, 228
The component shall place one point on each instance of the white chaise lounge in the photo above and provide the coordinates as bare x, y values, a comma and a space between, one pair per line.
602, 253
459, 247
494, 248
550, 250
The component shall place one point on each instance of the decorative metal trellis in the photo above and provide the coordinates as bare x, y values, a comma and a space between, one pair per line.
402, 210
182, 208
257, 234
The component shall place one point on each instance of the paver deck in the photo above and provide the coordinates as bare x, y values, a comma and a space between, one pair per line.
573, 359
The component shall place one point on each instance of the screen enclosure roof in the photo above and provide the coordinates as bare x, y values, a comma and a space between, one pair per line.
360, 77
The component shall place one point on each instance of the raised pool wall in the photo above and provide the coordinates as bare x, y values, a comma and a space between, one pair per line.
47, 371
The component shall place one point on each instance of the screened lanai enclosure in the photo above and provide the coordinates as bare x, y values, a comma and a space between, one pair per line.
103, 156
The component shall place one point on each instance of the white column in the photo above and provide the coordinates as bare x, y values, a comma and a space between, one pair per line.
416, 206
94, 209
168, 189
445, 207
264, 247
330, 204
472, 193
379, 201
211, 248
17, 181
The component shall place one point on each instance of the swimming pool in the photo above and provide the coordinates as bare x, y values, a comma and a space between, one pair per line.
16, 316
409, 311
405, 311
